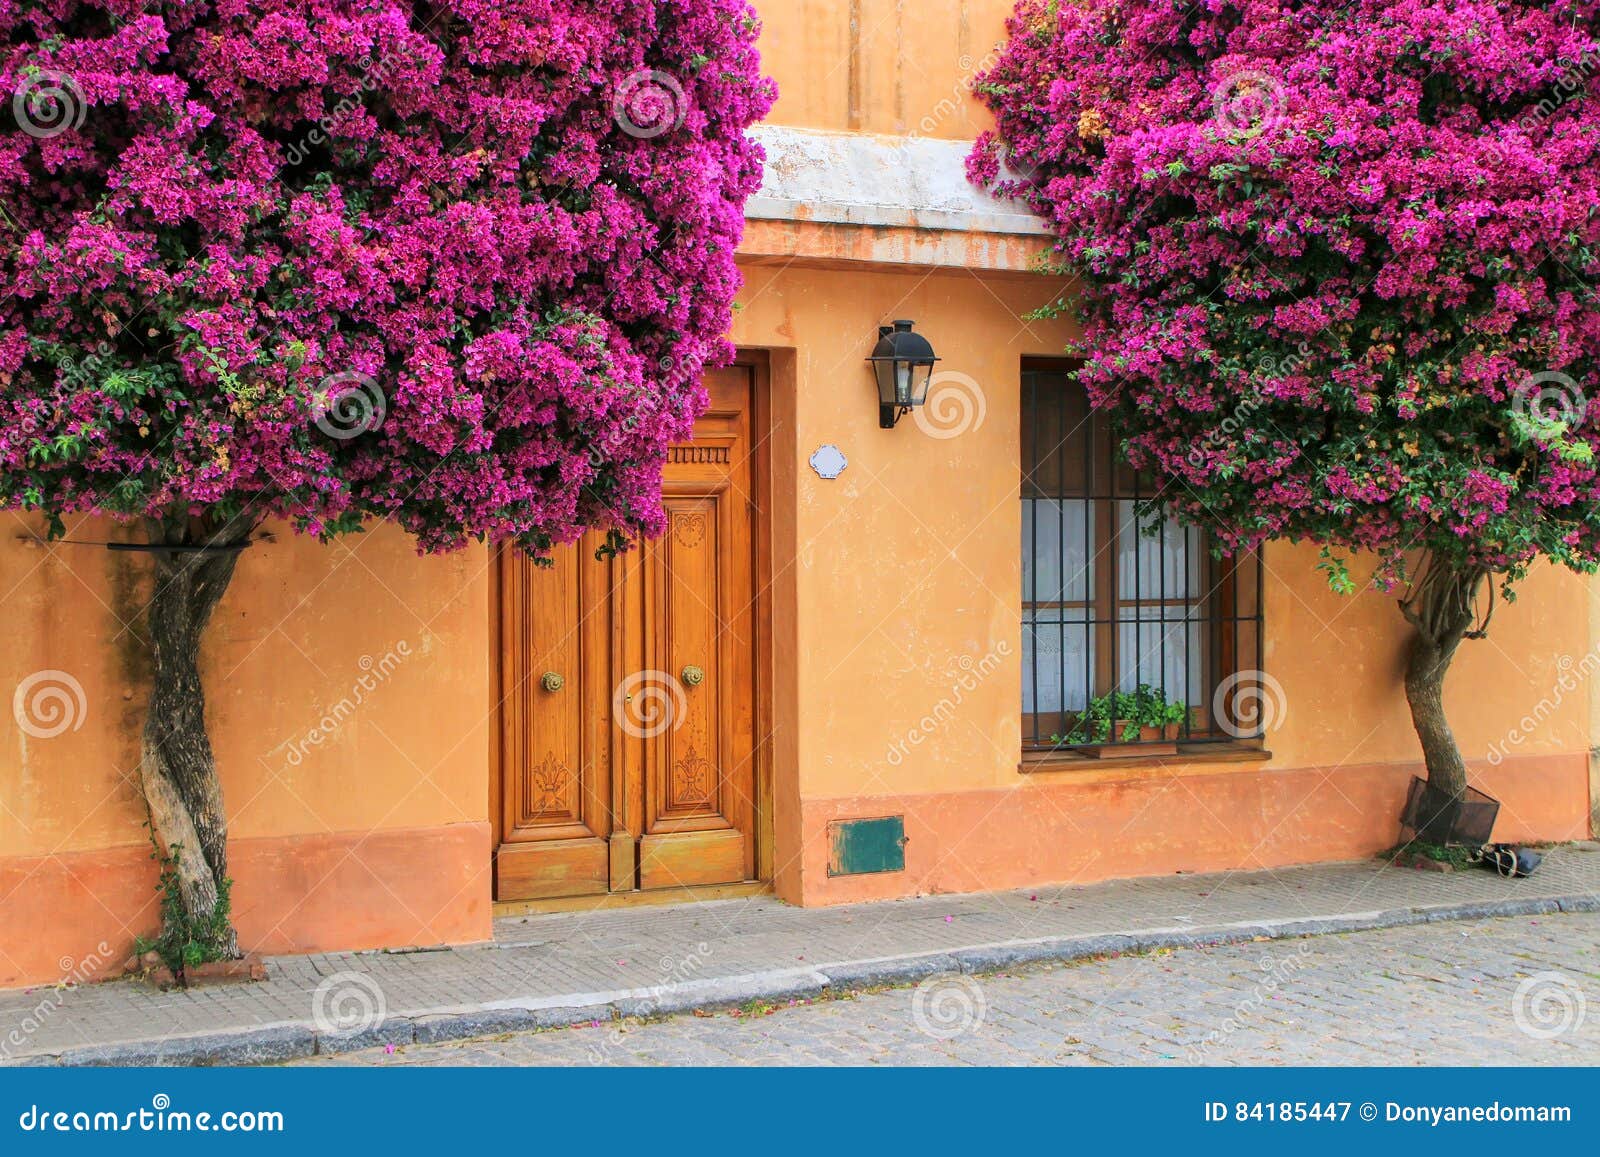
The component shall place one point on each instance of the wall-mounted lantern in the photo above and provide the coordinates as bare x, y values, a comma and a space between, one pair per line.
903, 362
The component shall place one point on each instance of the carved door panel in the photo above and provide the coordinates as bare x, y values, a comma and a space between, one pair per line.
634, 768
556, 736
697, 583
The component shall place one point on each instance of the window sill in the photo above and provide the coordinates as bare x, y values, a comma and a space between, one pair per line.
1042, 761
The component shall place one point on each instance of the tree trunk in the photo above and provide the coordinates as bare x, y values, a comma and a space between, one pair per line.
177, 767
1447, 770
1442, 605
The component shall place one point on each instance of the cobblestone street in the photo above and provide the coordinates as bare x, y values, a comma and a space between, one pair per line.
1513, 991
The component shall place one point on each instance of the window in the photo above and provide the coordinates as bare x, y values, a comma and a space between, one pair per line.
1130, 634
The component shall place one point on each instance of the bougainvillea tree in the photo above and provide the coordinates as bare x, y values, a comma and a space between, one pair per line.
1334, 264
454, 264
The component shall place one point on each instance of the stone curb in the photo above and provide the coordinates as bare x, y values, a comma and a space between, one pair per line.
275, 1043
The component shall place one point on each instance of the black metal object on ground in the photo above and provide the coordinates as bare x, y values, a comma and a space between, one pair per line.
1437, 817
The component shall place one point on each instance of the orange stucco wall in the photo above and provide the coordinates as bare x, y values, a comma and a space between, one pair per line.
350, 707
906, 580
881, 66
351, 688
906, 571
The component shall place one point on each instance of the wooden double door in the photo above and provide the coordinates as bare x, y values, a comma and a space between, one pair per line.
630, 688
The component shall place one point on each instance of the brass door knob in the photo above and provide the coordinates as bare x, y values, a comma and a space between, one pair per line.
693, 676
552, 682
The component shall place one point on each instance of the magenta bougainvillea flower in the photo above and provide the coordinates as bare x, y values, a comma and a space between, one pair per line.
1335, 262
455, 264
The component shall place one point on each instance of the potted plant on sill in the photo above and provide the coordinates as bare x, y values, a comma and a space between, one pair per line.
1143, 721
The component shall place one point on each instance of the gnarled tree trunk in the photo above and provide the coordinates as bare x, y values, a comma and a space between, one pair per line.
1442, 605
177, 767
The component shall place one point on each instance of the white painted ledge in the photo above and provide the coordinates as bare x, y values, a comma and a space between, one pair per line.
894, 182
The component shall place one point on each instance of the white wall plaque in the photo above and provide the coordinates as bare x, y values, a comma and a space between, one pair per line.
829, 461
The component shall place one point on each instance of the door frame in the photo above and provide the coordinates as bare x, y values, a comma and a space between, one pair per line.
758, 362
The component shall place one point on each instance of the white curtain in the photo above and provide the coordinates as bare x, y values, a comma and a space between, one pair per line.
1058, 566
1159, 645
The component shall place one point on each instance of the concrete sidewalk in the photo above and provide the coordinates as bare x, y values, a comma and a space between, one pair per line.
552, 970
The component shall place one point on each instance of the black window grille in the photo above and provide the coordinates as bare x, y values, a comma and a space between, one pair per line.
1129, 635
